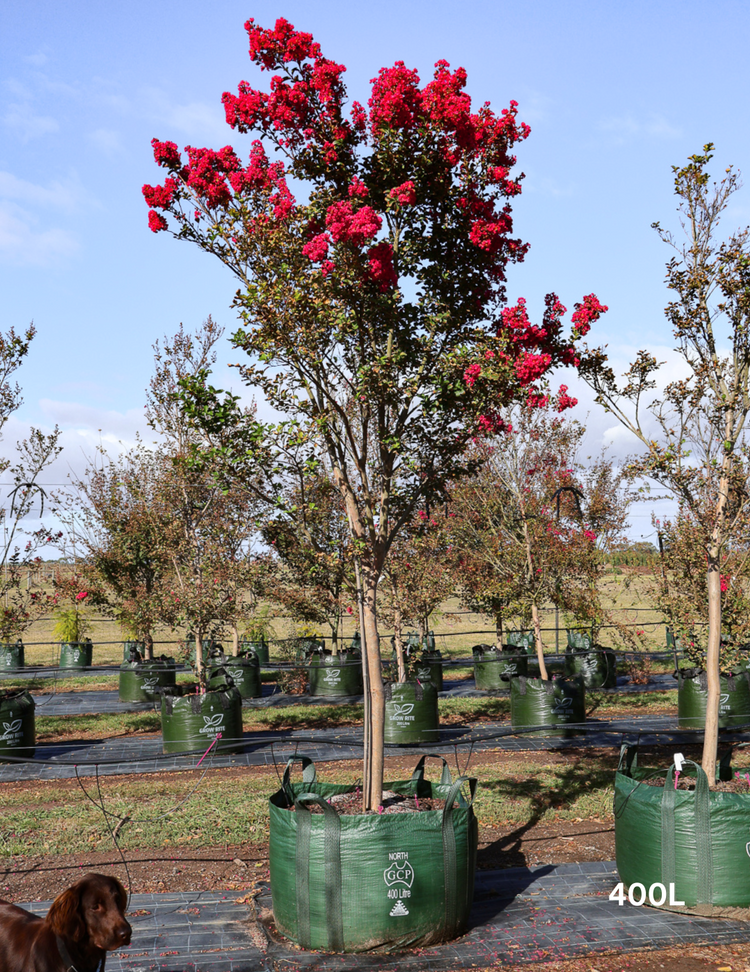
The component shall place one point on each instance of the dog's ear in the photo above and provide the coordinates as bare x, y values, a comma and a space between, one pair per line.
64, 916
121, 894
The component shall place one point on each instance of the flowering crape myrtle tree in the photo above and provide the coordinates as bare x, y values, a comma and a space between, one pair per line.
373, 305
699, 450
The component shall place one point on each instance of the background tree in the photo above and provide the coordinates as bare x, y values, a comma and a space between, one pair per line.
374, 311
698, 449
316, 582
21, 545
530, 524
417, 578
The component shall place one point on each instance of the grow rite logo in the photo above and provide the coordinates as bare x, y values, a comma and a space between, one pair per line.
333, 676
723, 703
149, 684
402, 712
235, 673
213, 724
423, 673
399, 877
12, 733
563, 707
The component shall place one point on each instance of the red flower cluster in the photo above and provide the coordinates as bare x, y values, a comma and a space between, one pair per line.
564, 400
396, 101
317, 248
406, 193
585, 314
348, 225
380, 262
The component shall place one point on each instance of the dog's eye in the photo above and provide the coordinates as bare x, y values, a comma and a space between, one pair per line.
99, 906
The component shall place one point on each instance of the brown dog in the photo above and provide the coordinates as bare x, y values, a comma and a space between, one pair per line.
83, 924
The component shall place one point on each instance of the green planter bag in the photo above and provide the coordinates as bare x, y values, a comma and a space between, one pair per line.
695, 840
522, 639
427, 666
335, 675
364, 882
491, 669
597, 667
11, 656
139, 681
243, 669
692, 695
259, 647
76, 654
411, 713
559, 705
130, 647
580, 641
190, 723
17, 724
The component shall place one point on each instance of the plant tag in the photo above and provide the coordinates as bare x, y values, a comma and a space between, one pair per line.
679, 761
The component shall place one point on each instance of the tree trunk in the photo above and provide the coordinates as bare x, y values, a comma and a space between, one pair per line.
334, 637
373, 779
538, 641
398, 642
235, 641
499, 629
148, 647
711, 733
199, 669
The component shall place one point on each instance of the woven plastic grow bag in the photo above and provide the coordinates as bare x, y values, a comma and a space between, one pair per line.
489, 668
521, 639
243, 669
597, 666
76, 654
12, 656
363, 882
190, 723
692, 696
140, 680
259, 647
558, 705
695, 840
335, 675
17, 724
427, 666
411, 713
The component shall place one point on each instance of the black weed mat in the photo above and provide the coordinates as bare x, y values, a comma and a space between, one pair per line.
119, 755
91, 703
545, 914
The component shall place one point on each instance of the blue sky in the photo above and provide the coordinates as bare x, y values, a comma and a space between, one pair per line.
615, 94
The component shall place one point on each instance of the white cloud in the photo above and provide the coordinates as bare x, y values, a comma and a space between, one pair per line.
36, 60
625, 128
60, 195
28, 125
94, 425
107, 141
200, 120
22, 243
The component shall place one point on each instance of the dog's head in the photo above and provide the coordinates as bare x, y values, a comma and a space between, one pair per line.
93, 911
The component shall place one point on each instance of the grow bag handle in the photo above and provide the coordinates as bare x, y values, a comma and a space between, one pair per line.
309, 775
331, 870
702, 826
628, 759
418, 775
449, 850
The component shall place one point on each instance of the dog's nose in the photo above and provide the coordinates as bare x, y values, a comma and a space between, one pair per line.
125, 933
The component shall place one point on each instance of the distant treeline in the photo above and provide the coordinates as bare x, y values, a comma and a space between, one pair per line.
639, 554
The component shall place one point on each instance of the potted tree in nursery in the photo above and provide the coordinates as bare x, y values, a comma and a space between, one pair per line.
375, 318
690, 835
72, 626
316, 577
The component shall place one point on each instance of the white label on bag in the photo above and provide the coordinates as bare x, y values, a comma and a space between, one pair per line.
13, 732
399, 877
213, 724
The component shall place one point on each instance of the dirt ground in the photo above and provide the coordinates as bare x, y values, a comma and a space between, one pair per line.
240, 868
